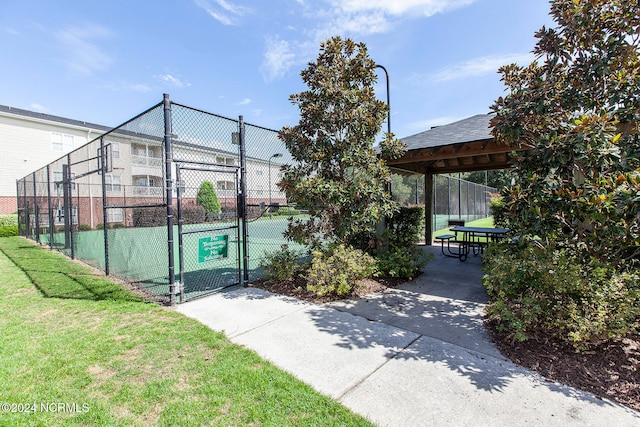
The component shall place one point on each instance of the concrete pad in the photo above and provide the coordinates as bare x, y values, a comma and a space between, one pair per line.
435, 383
238, 310
454, 321
330, 350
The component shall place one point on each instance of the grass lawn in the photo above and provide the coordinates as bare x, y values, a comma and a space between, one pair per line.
72, 337
484, 222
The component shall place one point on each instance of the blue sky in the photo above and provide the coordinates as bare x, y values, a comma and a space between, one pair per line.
107, 61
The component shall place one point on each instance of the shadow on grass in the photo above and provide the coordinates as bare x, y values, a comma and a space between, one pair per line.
56, 277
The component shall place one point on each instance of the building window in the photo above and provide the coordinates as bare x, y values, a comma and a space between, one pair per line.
114, 215
115, 150
62, 142
112, 182
58, 215
226, 185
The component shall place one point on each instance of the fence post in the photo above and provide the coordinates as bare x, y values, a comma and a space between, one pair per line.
49, 210
36, 220
169, 195
103, 179
243, 199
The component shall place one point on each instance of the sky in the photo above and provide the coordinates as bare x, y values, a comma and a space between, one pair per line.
105, 62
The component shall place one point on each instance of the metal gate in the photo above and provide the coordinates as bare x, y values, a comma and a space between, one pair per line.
208, 247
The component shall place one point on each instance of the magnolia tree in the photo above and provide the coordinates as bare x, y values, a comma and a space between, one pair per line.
338, 175
576, 109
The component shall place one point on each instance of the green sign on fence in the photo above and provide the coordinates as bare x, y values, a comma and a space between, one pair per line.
212, 248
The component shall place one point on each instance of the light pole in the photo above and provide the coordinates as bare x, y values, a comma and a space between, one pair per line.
269, 171
386, 73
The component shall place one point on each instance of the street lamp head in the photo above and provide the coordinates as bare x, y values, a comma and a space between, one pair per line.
277, 155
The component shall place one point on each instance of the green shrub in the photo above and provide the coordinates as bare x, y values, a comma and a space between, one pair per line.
336, 270
497, 206
405, 228
208, 199
534, 287
403, 262
149, 217
84, 227
282, 264
8, 230
286, 211
10, 219
115, 225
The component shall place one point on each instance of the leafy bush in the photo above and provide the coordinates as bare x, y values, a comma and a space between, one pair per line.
534, 287
8, 230
116, 225
10, 219
497, 206
336, 270
84, 227
403, 262
404, 228
286, 211
282, 264
149, 217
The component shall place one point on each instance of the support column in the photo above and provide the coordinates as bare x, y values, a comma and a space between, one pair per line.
428, 209
169, 195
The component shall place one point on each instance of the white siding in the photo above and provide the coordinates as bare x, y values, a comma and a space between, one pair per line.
25, 146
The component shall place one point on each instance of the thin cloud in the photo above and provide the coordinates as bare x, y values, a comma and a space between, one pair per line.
79, 46
279, 57
172, 80
245, 101
348, 18
225, 12
38, 107
479, 66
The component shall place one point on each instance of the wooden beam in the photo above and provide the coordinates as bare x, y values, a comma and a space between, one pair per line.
468, 149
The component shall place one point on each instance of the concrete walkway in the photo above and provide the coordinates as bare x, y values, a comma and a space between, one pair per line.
416, 355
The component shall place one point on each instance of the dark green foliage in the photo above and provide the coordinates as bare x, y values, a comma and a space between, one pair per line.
8, 230
337, 174
405, 228
84, 227
282, 264
149, 217
534, 286
208, 199
577, 187
403, 262
401, 257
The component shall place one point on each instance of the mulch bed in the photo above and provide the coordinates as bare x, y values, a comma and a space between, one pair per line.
611, 370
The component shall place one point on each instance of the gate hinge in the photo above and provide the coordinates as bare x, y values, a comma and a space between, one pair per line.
177, 288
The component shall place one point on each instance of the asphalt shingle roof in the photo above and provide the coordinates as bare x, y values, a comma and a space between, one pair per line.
474, 128
51, 118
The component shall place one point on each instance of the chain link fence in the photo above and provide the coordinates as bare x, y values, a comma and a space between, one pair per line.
180, 202
133, 202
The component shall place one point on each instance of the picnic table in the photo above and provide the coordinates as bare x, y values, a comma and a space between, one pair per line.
470, 238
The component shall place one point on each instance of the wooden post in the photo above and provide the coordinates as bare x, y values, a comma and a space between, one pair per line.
428, 208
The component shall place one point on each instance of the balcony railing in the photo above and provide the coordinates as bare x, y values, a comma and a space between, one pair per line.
153, 162
140, 190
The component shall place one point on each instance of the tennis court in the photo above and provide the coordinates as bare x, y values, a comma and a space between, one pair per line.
140, 255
